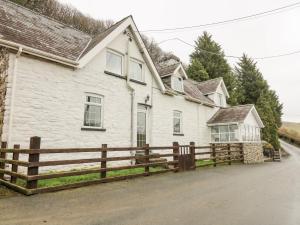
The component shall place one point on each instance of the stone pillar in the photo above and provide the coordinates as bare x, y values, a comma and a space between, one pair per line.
253, 153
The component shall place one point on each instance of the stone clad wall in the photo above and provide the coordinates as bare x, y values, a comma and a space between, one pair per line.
3, 76
253, 153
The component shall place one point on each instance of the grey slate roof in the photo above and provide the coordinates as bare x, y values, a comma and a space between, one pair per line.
233, 114
167, 70
26, 27
190, 89
209, 86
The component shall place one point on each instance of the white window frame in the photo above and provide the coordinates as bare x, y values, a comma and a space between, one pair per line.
133, 60
114, 52
229, 133
180, 122
87, 94
173, 78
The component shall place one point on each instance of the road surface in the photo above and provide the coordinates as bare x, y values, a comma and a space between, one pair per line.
264, 194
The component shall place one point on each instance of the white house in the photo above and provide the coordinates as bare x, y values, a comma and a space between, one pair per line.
74, 90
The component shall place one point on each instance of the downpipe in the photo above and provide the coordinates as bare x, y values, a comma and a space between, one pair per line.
132, 94
13, 90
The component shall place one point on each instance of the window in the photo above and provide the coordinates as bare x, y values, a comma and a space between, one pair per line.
136, 70
177, 83
114, 62
220, 99
93, 111
250, 133
224, 133
177, 122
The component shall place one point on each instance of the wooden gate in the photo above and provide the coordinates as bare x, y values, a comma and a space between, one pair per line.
186, 158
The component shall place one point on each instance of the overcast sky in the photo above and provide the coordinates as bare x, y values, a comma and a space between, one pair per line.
270, 35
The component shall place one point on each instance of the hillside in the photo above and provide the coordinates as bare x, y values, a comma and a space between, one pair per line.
290, 131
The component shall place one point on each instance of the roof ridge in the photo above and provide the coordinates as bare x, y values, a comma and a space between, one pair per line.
217, 78
236, 106
171, 65
47, 17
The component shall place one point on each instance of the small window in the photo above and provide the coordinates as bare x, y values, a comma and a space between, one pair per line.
93, 111
177, 122
220, 99
114, 62
136, 70
177, 83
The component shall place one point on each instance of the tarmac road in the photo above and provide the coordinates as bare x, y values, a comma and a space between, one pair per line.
263, 194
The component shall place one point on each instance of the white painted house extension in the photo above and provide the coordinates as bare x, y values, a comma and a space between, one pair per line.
74, 90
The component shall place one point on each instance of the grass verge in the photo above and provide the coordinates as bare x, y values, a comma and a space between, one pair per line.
88, 177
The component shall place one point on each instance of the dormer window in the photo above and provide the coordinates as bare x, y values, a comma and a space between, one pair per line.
177, 83
220, 100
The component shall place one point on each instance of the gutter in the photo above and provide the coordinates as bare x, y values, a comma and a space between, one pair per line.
39, 53
198, 101
13, 90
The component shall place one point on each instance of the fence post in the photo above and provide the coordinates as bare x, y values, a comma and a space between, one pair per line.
176, 156
2, 156
192, 151
242, 152
213, 146
103, 163
147, 159
229, 154
35, 143
14, 168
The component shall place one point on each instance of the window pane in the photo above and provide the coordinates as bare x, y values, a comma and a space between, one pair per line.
114, 63
224, 137
215, 138
233, 127
177, 125
234, 136
93, 99
92, 116
215, 129
136, 70
223, 129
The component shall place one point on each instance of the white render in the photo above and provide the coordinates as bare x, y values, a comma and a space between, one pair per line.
49, 102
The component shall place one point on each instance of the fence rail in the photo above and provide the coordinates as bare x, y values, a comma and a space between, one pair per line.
169, 158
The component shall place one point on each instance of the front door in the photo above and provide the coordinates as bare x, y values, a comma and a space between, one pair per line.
141, 126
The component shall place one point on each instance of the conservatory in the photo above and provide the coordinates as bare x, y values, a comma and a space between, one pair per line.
236, 124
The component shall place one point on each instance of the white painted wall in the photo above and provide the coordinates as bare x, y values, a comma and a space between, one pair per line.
49, 102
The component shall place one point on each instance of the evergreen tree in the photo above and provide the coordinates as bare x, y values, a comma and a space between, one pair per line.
209, 54
265, 110
250, 80
255, 90
196, 71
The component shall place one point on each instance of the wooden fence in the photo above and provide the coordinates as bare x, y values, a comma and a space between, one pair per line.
168, 158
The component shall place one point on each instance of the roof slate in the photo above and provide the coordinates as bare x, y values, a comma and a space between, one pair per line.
209, 86
167, 70
25, 27
233, 114
190, 88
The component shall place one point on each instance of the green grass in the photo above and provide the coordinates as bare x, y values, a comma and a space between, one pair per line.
88, 177
204, 162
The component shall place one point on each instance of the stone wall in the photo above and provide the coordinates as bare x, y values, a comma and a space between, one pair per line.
3, 76
253, 153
